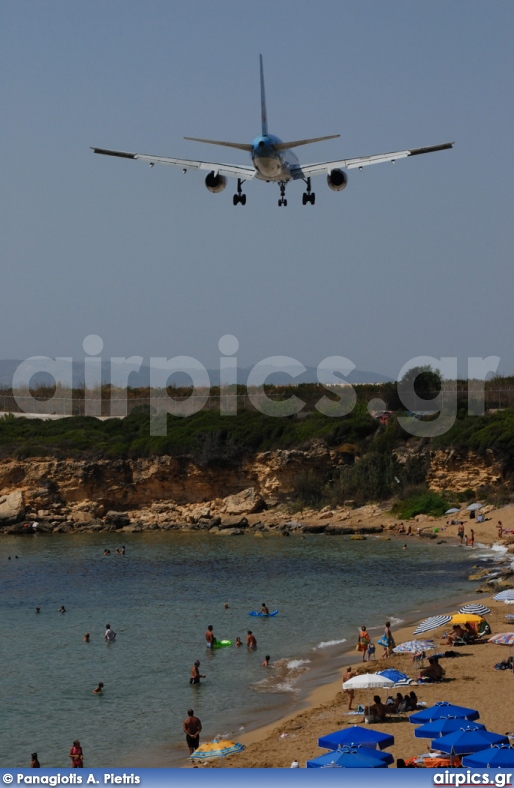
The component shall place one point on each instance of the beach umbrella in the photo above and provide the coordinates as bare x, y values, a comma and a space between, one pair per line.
503, 639
466, 740
395, 675
476, 608
509, 617
443, 709
358, 736
499, 756
350, 758
332, 757
367, 681
442, 726
414, 647
432, 623
502, 596
474, 506
452, 511
218, 748
464, 618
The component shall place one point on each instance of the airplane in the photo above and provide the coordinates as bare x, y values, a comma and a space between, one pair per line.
273, 161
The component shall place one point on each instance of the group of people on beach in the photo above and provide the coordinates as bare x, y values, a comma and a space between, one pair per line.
367, 648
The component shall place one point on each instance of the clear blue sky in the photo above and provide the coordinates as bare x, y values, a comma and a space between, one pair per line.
411, 259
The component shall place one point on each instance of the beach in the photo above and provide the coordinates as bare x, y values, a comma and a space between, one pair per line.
470, 681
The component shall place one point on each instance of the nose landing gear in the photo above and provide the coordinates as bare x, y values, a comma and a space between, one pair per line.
239, 197
282, 200
308, 196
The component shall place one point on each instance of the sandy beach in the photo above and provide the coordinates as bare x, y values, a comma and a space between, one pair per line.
470, 681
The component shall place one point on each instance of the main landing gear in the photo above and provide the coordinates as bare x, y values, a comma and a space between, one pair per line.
282, 200
308, 196
239, 197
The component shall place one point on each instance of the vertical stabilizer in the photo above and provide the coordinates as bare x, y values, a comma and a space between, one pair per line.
264, 116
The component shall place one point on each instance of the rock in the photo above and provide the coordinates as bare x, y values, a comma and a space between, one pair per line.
228, 532
316, 528
118, 519
357, 537
246, 502
12, 508
234, 522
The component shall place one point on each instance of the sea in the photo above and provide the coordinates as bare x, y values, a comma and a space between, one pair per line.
159, 598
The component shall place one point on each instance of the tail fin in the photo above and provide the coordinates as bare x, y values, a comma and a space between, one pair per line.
264, 116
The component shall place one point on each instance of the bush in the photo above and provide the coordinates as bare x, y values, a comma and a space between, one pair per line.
424, 503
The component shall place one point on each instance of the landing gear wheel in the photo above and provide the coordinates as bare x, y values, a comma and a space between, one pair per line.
239, 197
304, 198
313, 198
284, 203
235, 199
242, 199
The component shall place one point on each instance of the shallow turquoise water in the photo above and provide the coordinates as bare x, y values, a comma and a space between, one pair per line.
159, 598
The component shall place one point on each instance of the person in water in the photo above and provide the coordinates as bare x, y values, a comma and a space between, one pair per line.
251, 642
195, 673
98, 690
264, 609
87, 638
239, 642
34, 762
265, 662
209, 637
76, 755
110, 634
62, 609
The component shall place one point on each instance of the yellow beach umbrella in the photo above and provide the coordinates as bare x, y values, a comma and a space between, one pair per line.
218, 748
463, 618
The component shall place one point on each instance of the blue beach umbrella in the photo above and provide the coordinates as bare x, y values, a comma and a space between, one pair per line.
504, 596
350, 758
466, 740
499, 756
414, 647
442, 726
431, 623
475, 608
358, 736
443, 709
393, 674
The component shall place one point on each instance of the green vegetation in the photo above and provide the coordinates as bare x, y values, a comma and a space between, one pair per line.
422, 503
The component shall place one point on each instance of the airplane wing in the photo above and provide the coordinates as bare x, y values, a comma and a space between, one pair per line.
229, 170
323, 168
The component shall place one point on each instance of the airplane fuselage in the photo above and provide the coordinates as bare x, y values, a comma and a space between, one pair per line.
270, 164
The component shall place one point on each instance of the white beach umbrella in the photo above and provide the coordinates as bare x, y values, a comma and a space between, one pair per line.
367, 681
505, 596
474, 506
432, 623
414, 647
452, 511
475, 609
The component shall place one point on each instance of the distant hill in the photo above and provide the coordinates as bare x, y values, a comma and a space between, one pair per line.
118, 374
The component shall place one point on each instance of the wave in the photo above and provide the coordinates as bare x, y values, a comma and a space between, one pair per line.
328, 643
283, 676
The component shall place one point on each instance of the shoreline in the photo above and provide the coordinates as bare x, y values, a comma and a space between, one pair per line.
322, 699
325, 707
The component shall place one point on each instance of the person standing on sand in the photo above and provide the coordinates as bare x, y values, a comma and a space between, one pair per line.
350, 673
209, 637
76, 755
363, 642
192, 727
500, 529
388, 640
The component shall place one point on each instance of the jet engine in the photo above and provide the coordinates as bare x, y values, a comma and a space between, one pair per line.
337, 180
215, 182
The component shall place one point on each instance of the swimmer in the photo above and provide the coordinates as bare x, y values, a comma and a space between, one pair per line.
38, 610
226, 605
195, 673
251, 642
107, 552
98, 690
62, 609
34, 762
87, 639
264, 609
239, 642
265, 662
